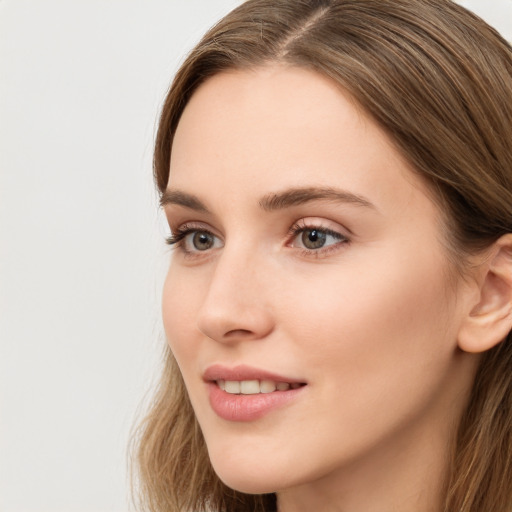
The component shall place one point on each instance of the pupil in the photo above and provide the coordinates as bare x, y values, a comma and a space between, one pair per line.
202, 241
313, 239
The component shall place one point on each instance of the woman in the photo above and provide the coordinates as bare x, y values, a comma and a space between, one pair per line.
337, 176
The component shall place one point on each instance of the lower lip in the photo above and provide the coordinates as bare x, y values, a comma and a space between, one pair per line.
232, 407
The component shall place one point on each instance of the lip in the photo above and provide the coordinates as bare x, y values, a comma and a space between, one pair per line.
244, 372
245, 408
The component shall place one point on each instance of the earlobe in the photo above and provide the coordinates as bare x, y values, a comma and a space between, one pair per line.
489, 321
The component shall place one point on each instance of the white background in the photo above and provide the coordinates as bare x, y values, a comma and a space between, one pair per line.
81, 253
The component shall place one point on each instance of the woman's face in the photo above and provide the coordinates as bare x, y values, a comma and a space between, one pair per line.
308, 258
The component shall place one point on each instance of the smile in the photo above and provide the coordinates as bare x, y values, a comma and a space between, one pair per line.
244, 393
254, 387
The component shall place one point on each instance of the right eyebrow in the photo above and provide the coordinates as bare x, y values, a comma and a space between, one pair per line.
183, 199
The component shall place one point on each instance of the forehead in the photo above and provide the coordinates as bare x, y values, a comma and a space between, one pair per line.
271, 104
266, 129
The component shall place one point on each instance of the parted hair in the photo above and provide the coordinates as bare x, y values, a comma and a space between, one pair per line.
438, 80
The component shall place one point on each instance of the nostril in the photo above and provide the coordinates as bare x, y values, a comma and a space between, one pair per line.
238, 333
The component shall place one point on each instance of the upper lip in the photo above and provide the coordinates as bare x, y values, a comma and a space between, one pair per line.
244, 372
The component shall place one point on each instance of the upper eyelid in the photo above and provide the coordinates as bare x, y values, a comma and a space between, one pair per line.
192, 226
178, 215
300, 224
322, 224
304, 223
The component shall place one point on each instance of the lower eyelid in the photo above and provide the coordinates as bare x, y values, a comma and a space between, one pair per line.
322, 253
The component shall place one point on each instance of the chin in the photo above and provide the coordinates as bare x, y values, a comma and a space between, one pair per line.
243, 474
238, 483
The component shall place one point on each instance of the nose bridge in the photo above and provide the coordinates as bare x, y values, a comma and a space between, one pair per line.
235, 305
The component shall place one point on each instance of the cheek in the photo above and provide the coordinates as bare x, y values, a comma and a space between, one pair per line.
179, 308
382, 337
370, 299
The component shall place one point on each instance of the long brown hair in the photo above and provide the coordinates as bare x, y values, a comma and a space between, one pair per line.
438, 80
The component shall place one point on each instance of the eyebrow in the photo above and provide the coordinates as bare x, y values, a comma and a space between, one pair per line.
275, 200
182, 199
298, 196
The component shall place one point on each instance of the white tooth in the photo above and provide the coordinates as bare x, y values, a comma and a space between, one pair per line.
232, 386
249, 387
283, 386
222, 384
267, 386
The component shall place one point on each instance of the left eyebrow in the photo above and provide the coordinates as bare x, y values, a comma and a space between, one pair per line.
298, 196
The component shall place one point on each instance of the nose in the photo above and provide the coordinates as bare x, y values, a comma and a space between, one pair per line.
235, 306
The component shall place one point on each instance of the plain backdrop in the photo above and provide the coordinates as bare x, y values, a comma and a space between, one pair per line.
81, 248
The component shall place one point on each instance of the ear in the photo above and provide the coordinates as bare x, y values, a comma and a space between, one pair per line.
490, 320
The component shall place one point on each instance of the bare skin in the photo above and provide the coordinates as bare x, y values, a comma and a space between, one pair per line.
368, 317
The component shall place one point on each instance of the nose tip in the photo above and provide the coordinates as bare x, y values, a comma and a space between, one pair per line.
232, 320
235, 306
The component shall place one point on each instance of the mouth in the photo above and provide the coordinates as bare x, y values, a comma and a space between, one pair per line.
245, 394
255, 387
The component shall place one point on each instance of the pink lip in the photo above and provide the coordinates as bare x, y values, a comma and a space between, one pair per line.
245, 408
243, 372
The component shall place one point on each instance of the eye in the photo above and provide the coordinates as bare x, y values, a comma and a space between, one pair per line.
200, 240
316, 238
194, 240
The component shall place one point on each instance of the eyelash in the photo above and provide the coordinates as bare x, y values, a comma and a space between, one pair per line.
178, 237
